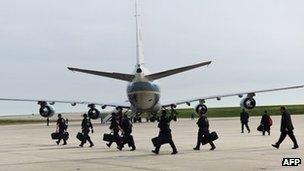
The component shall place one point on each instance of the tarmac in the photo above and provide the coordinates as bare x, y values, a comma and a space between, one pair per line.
29, 147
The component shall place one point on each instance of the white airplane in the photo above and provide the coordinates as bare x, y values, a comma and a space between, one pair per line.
142, 90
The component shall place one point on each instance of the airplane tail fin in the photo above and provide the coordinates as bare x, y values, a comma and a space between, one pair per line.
139, 44
167, 73
118, 76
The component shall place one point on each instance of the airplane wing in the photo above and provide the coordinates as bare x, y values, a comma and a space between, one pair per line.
219, 97
125, 105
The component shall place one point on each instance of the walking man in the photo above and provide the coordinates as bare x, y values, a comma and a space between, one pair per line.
203, 131
165, 133
286, 129
87, 127
244, 120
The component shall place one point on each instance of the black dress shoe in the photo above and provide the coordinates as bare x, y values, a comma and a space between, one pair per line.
276, 146
295, 147
57, 142
64, 143
154, 151
108, 145
213, 148
174, 152
196, 149
92, 145
119, 148
133, 149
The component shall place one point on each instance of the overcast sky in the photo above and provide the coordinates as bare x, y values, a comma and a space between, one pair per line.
253, 45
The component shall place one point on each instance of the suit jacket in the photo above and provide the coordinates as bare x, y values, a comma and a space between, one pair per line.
86, 125
244, 117
286, 123
203, 123
265, 120
126, 125
164, 126
114, 125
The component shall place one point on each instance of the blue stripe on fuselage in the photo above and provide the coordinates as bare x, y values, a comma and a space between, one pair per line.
142, 86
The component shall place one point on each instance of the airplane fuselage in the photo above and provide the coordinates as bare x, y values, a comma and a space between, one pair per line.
144, 95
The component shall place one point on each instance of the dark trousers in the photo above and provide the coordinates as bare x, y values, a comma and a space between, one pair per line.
291, 136
86, 138
128, 139
200, 135
247, 127
117, 140
61, 132
169, 137
266, 129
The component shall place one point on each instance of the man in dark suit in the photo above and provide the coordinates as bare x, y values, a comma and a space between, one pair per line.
165, 133
265, 122
203, 131
244, 117
286, 129
115, 129
127, 138
61, 127
87, 127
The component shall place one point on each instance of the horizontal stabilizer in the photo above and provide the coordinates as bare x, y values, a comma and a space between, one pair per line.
167, 73
118, 76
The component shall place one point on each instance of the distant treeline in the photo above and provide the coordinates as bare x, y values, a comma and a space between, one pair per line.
235, 111
186, 113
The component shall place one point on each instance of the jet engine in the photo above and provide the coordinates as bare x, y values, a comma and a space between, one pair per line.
201, 108
46, 110
248, 103
93, 112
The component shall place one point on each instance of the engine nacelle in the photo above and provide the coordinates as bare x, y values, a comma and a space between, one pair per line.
248, 103
46, 111
201, 108
93, 113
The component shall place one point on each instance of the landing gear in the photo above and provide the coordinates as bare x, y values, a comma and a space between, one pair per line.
152, 117
48, 121
137, 118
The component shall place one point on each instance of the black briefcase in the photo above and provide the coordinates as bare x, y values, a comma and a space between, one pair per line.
55, 136
260, 128
65, 136
160, 140
108, 137
80, 136
212, 136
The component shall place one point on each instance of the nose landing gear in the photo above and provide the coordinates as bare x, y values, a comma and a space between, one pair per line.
152, 117
137, 118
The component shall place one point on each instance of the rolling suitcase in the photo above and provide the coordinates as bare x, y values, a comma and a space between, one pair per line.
80, 136
108, 137
212, 136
